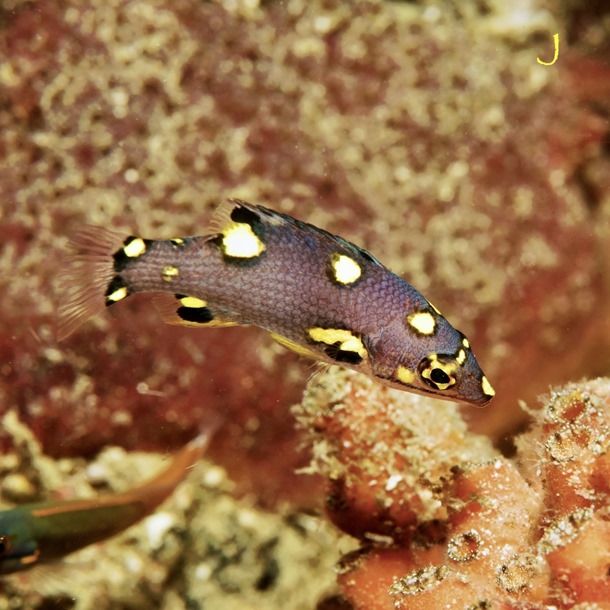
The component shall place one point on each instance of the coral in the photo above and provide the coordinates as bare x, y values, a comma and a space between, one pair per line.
370, 442
445, 521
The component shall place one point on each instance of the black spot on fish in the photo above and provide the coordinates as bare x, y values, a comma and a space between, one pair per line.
340, 355
197, 315
245, 215
116, 284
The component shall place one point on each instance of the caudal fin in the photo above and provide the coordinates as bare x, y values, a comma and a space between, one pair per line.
85, 279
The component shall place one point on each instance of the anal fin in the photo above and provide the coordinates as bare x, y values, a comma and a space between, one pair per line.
295, 347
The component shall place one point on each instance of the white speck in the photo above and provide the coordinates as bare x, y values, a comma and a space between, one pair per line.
557, 178
213, 477
53, 355
157, 526
133, 563
322, 24
246, 518
132, 175
431, 14
97, 474
393, 481
120, 102
121, 418
203, 572
402, 174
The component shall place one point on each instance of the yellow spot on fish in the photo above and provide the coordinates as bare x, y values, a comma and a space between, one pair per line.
117, 295
170, 272
345, 269
466, 343
461, 357
423, 322
486, 387
136, 247
405, 375
331, 336
192, 302
240, 241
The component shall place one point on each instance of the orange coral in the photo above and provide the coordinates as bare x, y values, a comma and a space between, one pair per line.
446, 522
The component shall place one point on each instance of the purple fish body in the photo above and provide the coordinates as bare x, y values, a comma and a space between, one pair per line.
317, 293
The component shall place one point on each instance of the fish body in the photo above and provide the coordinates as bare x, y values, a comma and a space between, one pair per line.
46, 531
317, 293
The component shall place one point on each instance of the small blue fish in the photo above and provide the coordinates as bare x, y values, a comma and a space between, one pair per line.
314, 292
46, 531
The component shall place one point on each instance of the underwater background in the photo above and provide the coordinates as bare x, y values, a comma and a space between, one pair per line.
426, 132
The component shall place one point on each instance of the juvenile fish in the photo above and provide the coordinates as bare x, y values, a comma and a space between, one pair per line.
317, 293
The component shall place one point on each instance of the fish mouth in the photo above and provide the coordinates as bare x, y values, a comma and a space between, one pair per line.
481, 402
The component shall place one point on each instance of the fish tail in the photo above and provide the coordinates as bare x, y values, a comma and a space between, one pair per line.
86, 278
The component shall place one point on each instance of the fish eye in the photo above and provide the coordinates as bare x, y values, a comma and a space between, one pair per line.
438, 375
5, 545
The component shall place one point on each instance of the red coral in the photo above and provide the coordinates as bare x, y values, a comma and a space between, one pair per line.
488, 533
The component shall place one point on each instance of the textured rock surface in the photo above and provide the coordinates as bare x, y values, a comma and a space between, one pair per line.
443, 519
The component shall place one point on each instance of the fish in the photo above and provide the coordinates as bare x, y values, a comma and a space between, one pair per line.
314, 292
44, 532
